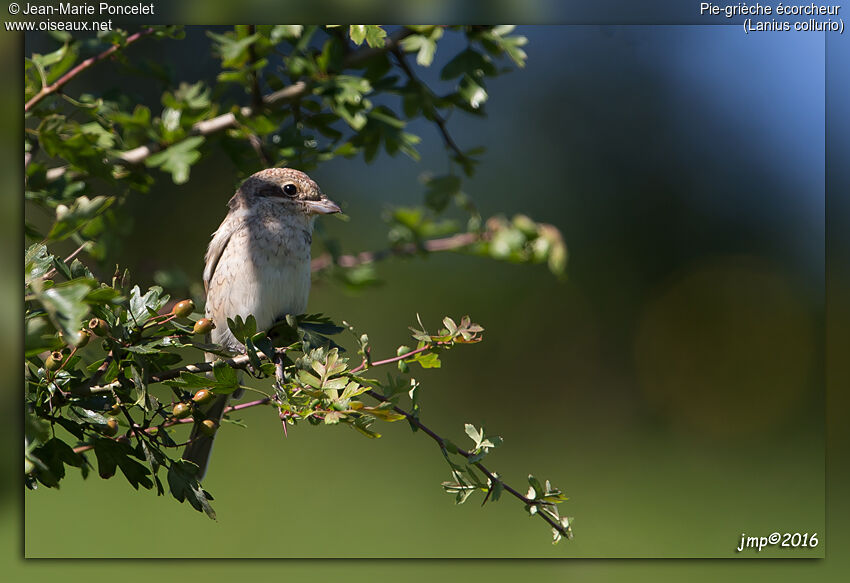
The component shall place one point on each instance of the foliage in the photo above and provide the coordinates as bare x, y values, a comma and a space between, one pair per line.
102, 355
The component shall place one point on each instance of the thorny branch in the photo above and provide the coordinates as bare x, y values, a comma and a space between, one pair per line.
242, 361
491, 477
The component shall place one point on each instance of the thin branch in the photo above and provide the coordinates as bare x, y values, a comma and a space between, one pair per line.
490, 475
101, 370
364, 365
228, 120
76, 252
257, 143
452, 243
53, 88
439, 120
238, 362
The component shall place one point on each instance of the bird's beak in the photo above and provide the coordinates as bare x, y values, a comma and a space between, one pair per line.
323, 206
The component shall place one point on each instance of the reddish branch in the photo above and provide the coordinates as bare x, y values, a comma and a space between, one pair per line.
59, 83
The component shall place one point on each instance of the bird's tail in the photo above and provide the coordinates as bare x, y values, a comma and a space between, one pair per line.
200, 444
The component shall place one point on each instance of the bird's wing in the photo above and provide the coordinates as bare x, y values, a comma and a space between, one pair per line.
219, 242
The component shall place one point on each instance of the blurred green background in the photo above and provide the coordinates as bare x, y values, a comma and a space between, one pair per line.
677, 375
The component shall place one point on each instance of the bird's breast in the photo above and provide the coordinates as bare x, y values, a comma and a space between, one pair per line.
264, 271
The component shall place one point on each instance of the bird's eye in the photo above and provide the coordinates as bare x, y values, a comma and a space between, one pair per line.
290, 189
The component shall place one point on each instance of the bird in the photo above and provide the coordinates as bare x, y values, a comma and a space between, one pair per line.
257, 263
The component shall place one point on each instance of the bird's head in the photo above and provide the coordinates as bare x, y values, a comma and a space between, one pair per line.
292, 189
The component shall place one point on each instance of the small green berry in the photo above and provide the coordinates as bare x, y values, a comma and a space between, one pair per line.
183, 308
208, 427
78, 339
111, 427
203, 396
54, 360
181, 410
98, 327
203, 326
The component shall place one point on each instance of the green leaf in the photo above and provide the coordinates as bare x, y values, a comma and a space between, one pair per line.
226, 378
473, 433
184, 485
54, 455
428, 360
177, 159
468, 62
285, 31
333, 417
511, 44
424, 45
88, 415
496, 491
472, 91
37, 262
111, 453
310, 379
375, 36
357, 32
234, 52
242, 329
82, 211
440, 190
40, 336
190, 381
101, 295
535, 490
253, 357
142, 307
64, 303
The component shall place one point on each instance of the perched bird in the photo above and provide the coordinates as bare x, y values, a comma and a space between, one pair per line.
258, 263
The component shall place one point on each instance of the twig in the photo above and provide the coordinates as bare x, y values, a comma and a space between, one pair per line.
490, 475
104, 366
76, 252
257, 144
151, 430
56, 86
364, 365
228, 120
452, 243
439, 120
239, 362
